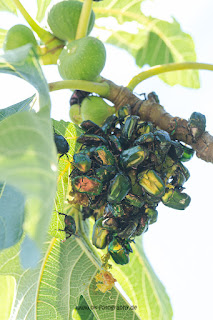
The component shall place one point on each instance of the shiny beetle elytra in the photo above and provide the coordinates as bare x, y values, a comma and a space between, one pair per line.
119, 250
62, 145
70, 226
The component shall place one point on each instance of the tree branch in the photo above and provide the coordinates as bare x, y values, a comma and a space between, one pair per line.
149, 110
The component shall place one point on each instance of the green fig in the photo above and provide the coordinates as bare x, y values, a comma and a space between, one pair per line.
82, 59
75, 114
96, 110
63, 19
18, 36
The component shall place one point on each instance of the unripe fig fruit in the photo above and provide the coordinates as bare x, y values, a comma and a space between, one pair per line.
82, 59
63, 19
96, 110
18, 36
75, 114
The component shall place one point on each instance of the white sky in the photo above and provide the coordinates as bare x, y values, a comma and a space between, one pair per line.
179, 245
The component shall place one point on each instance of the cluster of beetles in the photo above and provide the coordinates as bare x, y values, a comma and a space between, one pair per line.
122, 171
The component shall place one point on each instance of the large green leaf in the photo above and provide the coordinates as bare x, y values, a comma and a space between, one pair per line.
21, 106
23, 62
152, 41
11, 216
3, 33
70, 131
8, 5
143, 287
28, 163
64, 281
66, 272
42, 7
169, 44
7, 285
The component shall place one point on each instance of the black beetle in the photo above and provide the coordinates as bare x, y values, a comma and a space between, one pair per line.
62, 145
70, 227
78, 96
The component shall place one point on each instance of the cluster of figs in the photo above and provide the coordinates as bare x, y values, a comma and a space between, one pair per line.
122, 171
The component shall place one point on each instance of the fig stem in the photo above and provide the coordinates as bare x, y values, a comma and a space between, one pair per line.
176, 66
84, 19
42, 33
100, 88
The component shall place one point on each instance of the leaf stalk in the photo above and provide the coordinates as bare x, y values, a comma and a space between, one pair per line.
176, 66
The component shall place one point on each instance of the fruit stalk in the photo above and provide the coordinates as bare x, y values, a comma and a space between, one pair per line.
100, 88
84, 19
43, 34
176, 66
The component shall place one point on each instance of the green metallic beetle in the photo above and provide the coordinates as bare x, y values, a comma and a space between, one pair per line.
105, 173
130, 123
152, 183
82, 162
99, 235
123, 112
119, 250
118, 188
175, 199
134, 200
115, 210
152, 215
197, 125
104, 156
134, 156
89, 185
187, 153
123, 170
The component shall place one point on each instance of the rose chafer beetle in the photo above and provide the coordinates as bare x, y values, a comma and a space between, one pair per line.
152, 183
152, 215
187, 153
109, 123
119, 250
89, 185
116, 210
104, 156
142, 226
99, 235
175, 199
134, 200
144, 127
105, 173
118, 188
89, 139
133, 157
91, 127
82, 162
197, 125
123, 112
129, 127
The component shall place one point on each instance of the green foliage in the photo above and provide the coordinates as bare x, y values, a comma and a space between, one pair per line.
38, 182
155, 42
8, 5
42, 7
23, 62
66, 274
2, 36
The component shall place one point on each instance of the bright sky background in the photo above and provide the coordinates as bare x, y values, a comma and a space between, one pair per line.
179, 245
